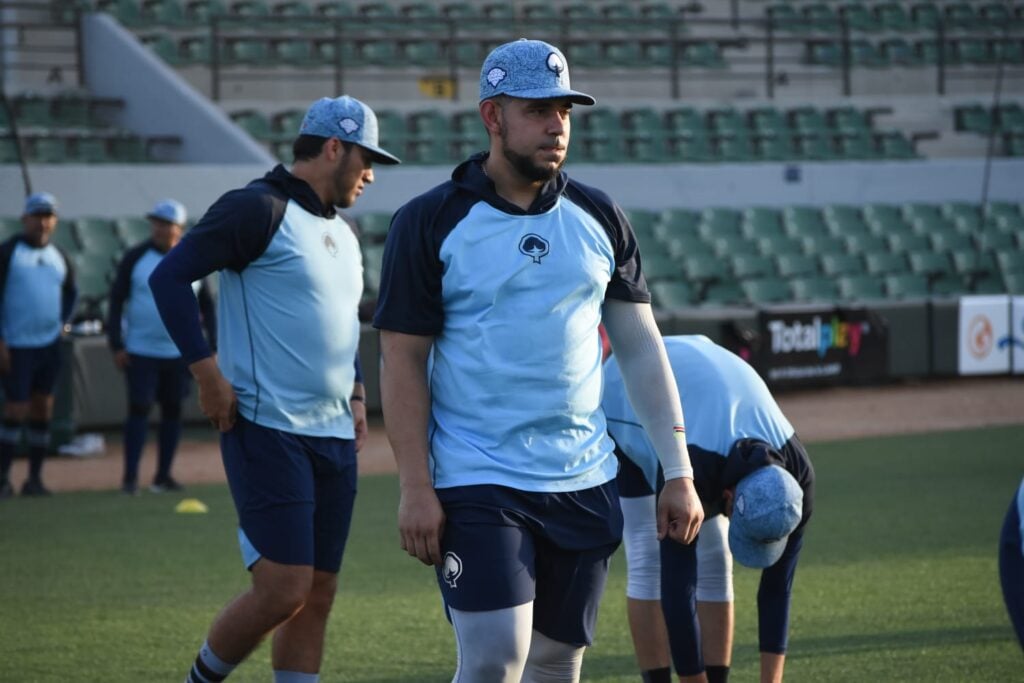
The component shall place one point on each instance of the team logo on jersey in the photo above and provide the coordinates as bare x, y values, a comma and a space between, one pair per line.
330, 245
534, 246
555, 63
740, 506
451, 569
349, 125
496, 76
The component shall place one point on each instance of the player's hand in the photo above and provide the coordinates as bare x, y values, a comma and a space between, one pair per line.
421, 523
121, 359
680, 512
5, 359
362, 427
217, 399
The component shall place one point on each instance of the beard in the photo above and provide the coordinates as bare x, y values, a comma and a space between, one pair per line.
526, 166
342, 183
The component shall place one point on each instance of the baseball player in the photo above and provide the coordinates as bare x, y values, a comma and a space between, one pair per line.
37, 296
757, 485
285, 389
501, 277
145, 352
1011, 562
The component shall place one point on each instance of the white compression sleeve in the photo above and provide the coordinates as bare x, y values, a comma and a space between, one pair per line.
492, 645
640, 539
649, 381
551, 661
714, 561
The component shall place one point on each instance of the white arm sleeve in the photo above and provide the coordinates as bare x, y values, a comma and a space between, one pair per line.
649, 381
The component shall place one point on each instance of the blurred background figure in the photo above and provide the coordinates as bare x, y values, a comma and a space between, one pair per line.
1011, 562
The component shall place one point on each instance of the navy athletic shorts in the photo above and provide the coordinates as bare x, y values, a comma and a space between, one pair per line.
166, 380
294, 494
503, 547
1011, 569
33, 371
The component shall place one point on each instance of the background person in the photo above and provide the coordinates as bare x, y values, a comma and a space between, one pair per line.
749, 466
285, 390
502, 276
145, 352
1011, 562
37, 296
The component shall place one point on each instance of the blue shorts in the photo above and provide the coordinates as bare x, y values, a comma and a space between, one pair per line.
294, 494
504, 547
166, 380
33, 371
1011, 569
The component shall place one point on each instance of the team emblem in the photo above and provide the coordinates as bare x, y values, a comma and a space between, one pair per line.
330, 245
349, 125
555, 63
452, 568
534, 246
740, 505
496, 76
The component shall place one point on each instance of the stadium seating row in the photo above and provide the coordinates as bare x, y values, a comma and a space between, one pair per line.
57, 147
896, 17
920, 53
635, 135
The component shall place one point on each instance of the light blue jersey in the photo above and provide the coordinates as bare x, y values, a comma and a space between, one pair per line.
739, 406
513, 301
35, 286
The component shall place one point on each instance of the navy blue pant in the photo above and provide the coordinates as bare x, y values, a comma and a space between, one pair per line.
1011, 568
163, 380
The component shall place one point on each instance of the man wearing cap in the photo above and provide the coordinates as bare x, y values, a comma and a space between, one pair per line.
501, 276
757, 485
285, 389
145, 352
37, 295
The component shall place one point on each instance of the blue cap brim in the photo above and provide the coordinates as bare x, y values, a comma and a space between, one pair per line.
379, 155
550, 93
755, 554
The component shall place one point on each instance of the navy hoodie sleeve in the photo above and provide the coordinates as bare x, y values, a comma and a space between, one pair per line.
234, 232
69, 290
120, 290
208, 314
6, 253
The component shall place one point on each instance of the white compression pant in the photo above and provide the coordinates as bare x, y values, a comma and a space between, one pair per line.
643, 563
500, 646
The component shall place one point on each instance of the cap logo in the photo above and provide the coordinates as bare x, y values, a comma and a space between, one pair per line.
496, 76
349, 125
555, 63
741, 504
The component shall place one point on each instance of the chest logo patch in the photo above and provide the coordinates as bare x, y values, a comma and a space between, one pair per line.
330, 245
534, 246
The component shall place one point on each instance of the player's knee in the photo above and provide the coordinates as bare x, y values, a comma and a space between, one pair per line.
321, 596
551, 661
282, 592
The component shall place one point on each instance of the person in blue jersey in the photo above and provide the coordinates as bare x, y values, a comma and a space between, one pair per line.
1011, 562
152, 364
285, 388
756, 482
37, 296
493, 288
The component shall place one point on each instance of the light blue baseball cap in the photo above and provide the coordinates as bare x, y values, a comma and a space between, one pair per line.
528, 69
767, 507
40, 203
348, 119
169, 210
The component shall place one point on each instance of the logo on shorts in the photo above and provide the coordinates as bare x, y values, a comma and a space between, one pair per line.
451, 569
534, 246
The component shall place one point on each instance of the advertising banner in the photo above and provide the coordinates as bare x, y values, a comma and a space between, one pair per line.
826, 345
984, 346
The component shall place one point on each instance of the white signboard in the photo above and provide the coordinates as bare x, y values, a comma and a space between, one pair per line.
984, 323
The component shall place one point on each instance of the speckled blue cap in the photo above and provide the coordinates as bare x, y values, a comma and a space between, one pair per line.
40, 203
528, 69
169, 210
348, 119
767, 507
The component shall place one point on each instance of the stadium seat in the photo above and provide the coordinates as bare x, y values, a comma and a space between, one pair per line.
131, 229
860, 287
906, 285
776, 148
844, 220
817, 245
766, 290
950, 241
814, 289
834, 265
65, 238
679, 219
801, 221
660, 266
894, 145
97, 236
672, 295
995, 240
373, 226
761, 222
907, 241
797, 265
9, 227
727, 245
254, 122
885, 263
746, 266
723, 294
702, 269
774, 245
1013, 282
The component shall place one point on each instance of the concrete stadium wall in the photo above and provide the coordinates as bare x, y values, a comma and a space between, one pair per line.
118, 190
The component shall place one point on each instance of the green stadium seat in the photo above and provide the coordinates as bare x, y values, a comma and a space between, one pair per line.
642, 220
776, 148
162, 13
802, 221
33, 111
821, 17
893, 16
797, 265
164, 47
973, 51
823, 53
928, 50
864, 53
685, 121
856, 147
9, 227
679, 219
727, 245
292, 9
835, 265
373, 226
253, 122
1013, 282
766, 290
90, 149
859, 17
50, 149
866, 243
899, 52
334, 9
692, 149
774, 245
950, 241
746, 266
65, 238
885, 263
814, 148
703, 54
784, 17
383, 52
296, 52
907, 241
723, 294
717, 221
926, 16
809, 121
132, 229
995, 241
883, 218
972, 264
843, 220
97, 236
701, 269
761, 222
929, 263
72, 110
735, 148
423, 53
199, 12
894, 145
194, 50
769, 121
660, 266
816, 245
672, 295
860, 287
906, 285
814, 289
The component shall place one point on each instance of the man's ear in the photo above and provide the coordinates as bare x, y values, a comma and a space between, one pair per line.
490, 112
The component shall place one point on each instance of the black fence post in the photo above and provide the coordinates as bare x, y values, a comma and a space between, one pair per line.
940, 51
769, 62
215, 58
844, 30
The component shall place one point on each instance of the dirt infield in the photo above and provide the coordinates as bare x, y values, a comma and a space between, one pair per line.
817, 415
